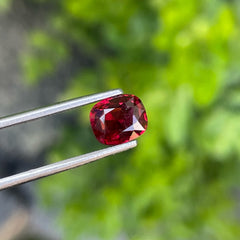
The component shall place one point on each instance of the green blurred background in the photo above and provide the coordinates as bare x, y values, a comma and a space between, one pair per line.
182, 59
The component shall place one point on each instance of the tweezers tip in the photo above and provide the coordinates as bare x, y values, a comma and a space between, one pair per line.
133, 143
119, 90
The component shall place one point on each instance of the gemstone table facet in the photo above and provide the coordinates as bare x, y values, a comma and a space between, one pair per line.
118, 119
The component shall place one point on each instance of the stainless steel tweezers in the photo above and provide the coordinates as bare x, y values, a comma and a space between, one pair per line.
67, 164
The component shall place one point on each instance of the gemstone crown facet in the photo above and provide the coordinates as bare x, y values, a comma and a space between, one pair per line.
118, 119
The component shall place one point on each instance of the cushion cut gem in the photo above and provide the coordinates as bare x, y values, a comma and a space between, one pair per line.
118, 119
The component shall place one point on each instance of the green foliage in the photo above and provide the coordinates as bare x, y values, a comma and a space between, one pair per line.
181, 58
46, 54
4, 5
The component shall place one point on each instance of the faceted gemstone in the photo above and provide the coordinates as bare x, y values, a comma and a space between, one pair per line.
118, 119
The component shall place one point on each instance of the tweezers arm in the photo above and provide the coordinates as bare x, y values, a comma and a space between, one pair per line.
59, 107
63, 165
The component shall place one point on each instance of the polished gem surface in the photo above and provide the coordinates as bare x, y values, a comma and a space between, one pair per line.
118, 119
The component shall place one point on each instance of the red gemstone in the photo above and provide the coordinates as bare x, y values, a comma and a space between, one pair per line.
118, 119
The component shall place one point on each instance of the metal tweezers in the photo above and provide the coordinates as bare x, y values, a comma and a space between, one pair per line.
67, 164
